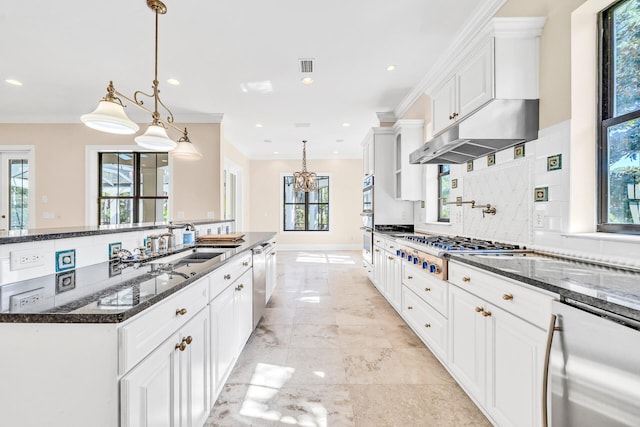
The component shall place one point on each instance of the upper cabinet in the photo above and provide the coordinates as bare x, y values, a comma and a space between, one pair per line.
368, 157
503, 64
409, 135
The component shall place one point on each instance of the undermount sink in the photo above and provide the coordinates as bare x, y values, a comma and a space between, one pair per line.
195, 255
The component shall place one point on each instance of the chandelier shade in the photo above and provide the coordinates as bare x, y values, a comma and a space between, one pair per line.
110, 117
303, 180
185, 149
155, 138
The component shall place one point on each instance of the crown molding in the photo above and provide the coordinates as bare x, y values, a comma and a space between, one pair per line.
387, 117
470, 30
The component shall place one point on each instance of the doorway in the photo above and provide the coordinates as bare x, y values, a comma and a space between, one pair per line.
232, 182
15, 190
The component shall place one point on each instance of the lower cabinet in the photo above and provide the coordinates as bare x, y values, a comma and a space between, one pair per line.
427, 323
231, 315
170, 386
393, 280
497, 357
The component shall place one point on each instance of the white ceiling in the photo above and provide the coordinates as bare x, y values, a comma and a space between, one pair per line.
66, 52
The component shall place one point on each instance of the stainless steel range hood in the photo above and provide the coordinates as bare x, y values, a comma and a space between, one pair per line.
499, 124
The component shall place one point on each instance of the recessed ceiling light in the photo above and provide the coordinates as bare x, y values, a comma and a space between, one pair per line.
336, 152
346, 125
13, 82
173, 82
275, 152
339, 140
268, 141
391, 67
258, 125
307, 81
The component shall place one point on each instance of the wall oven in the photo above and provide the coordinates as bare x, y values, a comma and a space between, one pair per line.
367, 245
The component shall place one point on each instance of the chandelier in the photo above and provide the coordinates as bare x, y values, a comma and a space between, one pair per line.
304, 181
110, 117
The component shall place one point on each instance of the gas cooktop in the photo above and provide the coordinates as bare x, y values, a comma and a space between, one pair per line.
457, 243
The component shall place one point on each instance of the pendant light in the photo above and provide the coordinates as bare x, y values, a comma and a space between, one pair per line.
185, 149
110, 117
303, 180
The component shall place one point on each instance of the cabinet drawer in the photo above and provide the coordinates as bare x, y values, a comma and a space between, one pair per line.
228, 273
150, 328
431, 289
515, 297
430, 325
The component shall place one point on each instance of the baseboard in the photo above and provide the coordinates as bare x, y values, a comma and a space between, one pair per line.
323, 247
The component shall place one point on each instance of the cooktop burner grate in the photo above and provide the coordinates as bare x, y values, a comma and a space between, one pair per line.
459, 243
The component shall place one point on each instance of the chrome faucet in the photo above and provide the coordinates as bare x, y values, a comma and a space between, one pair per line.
189, 226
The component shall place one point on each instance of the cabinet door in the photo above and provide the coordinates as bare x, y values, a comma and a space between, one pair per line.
223, 339
444, 105
368, 158
379, 268
150, 392
271, 274
194, 371
430, 325
467, 338
475, 84
515, 363
244, 312
393, 281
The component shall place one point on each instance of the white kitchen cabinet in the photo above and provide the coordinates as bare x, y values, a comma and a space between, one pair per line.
368, 158
409, 136
427, 323
387, 209
231, 324
503, 64
497, 339
379, 267
170, 387
469, 88
393, 280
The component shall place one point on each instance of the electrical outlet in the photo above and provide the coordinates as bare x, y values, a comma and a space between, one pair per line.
539, 220
25, 300
19, 260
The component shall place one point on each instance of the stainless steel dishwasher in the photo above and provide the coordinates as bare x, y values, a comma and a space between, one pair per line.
259, 281
593, 369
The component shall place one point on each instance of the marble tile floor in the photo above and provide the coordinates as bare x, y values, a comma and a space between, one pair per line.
331, 351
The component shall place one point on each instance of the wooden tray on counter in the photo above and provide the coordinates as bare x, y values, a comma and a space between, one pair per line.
216, 238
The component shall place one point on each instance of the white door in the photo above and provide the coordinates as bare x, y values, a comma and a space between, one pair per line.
233, 193
14, 190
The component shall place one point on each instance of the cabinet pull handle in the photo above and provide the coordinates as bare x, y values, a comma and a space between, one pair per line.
507, 297
391, 258
486, 313
427, 289
391, 247
409, 307
182, 346
241, 286
545, 369
377, 241
238, 288
246, 263
189, 340
227, 277
466, 278
377, 250
181, 312
427, 325
479, 309
409, 277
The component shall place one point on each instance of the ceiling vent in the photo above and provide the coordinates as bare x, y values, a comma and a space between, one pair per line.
305, 65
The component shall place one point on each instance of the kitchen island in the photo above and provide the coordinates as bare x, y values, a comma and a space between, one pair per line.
150, 345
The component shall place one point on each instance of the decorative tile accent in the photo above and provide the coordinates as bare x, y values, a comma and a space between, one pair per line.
491, 159
114, 268
454, 183
518, 151
469, 165
459, 201
554, 163
114, 248
541, 194
65, 281
65, 260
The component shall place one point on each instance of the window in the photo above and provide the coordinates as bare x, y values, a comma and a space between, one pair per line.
619, 140
444, 189
306, 211
133, 187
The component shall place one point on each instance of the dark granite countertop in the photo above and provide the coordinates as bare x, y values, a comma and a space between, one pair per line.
38, 234
111, 292
613, 289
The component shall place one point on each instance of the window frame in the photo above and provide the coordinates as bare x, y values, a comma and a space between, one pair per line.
284, 204
441, 201
606, 120
136, 198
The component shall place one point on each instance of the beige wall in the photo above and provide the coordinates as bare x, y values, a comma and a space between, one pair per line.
555, 54
346, 201
60, 175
